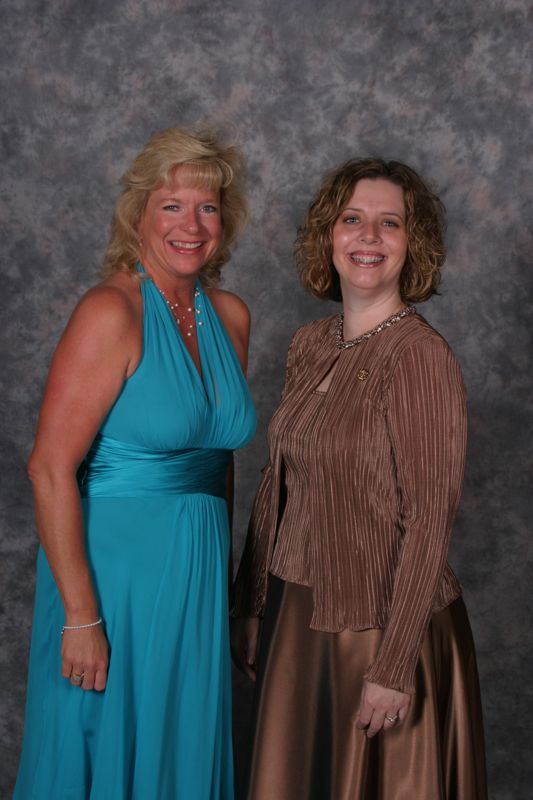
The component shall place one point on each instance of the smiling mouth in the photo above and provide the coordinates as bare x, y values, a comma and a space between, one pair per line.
366, 261
186, 245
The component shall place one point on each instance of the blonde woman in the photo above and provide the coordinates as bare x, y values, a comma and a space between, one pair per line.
366, 675
129, 679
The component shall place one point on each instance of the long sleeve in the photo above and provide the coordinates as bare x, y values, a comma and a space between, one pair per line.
250, 583
426, 419
249, 595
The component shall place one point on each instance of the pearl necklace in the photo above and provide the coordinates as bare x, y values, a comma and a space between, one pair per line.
181, 314
339, 338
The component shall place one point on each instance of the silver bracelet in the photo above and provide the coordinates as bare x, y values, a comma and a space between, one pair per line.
80, 627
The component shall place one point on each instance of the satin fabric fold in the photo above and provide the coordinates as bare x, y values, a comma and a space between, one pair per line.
117, 469
306, 745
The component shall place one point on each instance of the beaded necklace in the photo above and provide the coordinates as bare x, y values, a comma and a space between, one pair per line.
182, 314
339, 338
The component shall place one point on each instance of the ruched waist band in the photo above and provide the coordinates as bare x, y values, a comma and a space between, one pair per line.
117, 469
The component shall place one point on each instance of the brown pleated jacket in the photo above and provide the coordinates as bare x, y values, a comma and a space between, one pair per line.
384, 481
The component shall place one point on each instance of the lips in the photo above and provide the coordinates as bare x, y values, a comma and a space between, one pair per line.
179, 245
366, 259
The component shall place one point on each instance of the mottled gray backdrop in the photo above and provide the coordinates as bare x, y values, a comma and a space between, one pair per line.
304, 84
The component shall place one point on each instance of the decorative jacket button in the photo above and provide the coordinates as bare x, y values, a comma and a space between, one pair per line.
363, 374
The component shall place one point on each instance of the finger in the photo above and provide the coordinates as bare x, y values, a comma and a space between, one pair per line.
248, 661
66, 668
88, 680
100, 680
239, 658
243, 652
390, 721
376, 724
249, 671
402, 714
251, 651
364, 715
77, 675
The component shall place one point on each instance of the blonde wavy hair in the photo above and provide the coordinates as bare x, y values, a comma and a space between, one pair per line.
425, 225
204, 160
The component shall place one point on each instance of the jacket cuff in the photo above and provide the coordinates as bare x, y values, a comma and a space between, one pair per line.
400, 677
248, 598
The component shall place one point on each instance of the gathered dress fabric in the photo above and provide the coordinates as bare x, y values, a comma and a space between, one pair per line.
346, 559
157, 541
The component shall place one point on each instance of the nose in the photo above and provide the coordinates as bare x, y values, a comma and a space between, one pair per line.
369, 232
189, 221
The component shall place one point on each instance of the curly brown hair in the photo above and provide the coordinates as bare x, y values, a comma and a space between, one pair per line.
425, 225
205, 161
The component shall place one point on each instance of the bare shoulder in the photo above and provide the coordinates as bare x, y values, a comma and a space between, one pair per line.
230, 307
106, 325
234, 313
99, 350
113, 305
235, 317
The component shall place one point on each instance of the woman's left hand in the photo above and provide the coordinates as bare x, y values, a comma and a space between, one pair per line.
381, 708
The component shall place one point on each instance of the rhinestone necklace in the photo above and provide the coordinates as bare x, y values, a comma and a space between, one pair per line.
339, 339
182, 314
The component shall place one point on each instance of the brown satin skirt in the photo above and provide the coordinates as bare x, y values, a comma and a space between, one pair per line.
305, 744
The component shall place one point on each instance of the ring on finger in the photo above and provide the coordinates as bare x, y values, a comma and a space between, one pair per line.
391, 719
77, 678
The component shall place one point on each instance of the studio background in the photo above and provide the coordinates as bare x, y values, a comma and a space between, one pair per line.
446, 87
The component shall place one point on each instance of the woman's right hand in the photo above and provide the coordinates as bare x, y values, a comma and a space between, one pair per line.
244, 639
85, 652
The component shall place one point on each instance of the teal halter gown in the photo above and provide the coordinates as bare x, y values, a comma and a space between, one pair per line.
158, 540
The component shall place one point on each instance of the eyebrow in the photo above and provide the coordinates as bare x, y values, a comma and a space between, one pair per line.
388, 213
177, 200
174, 196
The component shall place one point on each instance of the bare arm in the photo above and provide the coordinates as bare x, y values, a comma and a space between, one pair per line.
92, 361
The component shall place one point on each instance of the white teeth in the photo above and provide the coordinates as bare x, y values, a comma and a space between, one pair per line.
186, 245
367, 259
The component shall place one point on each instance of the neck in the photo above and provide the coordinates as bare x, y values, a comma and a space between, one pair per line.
178, 289
182, 295
361, 314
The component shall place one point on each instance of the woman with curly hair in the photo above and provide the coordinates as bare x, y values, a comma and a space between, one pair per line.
366, 675
129, 679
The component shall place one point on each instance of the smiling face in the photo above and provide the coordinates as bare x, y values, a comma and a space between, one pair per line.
369, 240
180, 229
